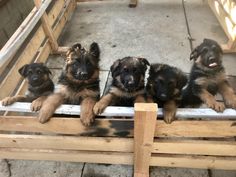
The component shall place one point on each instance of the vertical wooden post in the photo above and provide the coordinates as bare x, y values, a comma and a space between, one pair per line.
47, 28
133, 3
144, 128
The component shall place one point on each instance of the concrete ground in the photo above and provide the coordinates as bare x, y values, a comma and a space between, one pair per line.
156, 30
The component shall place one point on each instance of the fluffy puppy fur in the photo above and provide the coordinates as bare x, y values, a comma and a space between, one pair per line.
164, 88
78, 84
127, 85
39, 86
207, 78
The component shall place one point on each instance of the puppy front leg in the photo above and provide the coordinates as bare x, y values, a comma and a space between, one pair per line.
210, 101
228, 94
10, 100
140, 99
103, 103
150, 99
169, 111
87, 115
49, 107
37, 103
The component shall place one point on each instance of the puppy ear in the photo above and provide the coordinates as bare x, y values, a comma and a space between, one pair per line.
23, 70
72, 50
47, 70
144, 61
195, 53
94, 50
115, 67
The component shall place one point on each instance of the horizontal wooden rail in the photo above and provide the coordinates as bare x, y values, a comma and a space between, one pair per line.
18, 41
113, 144
114, 111
205, 162
119, 127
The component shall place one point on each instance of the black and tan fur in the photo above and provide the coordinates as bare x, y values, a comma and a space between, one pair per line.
127, 85
164, 88
39, 86
207, 78
78, 84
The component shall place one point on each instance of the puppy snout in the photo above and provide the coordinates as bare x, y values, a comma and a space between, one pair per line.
83, 75
35, 78
163, 96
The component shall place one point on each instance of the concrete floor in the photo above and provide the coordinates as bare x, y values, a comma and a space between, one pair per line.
156, 30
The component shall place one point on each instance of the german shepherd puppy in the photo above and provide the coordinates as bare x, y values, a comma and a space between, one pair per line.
127, 85
39, 85
164, 87
78, 84
207, 78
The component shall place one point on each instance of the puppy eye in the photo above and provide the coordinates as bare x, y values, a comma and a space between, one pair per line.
125, 70
30, 72
88, 63
39, 72
205, 49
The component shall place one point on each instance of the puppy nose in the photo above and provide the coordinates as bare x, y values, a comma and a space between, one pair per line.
163, 96
131, 83
83, 74
34, 78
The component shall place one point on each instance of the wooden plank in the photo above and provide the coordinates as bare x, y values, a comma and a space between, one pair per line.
196, 128
204, 162
66, 143
13, 77
229, 6
225, 21
15, 45
144, 128
115, 111
47, 28
195, 147
69, 126
15, 35
70, 156
119, 127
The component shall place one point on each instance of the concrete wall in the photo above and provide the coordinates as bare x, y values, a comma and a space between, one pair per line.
12, 13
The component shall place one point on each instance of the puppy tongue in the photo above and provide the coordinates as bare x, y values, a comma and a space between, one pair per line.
213, 64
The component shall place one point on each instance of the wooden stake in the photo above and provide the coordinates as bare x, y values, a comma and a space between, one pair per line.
133, 3
144, 128
47, 29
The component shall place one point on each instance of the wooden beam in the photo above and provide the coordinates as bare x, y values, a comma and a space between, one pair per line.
115, 111
66, 143
196, 128
144, 128
203, 162
18, 41
119, 127
70, 156
47, 28
195, 147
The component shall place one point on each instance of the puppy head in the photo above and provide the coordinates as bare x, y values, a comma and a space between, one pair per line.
129, 72
35, 73
208, 54
166, 81
80, 63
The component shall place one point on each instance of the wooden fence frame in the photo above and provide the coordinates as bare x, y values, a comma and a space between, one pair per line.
142, 141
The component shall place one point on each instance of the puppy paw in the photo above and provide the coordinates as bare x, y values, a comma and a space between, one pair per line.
8, 101
169, 117
36, 105
44, 116
98, 108
87, 120
231, 103
217, 106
